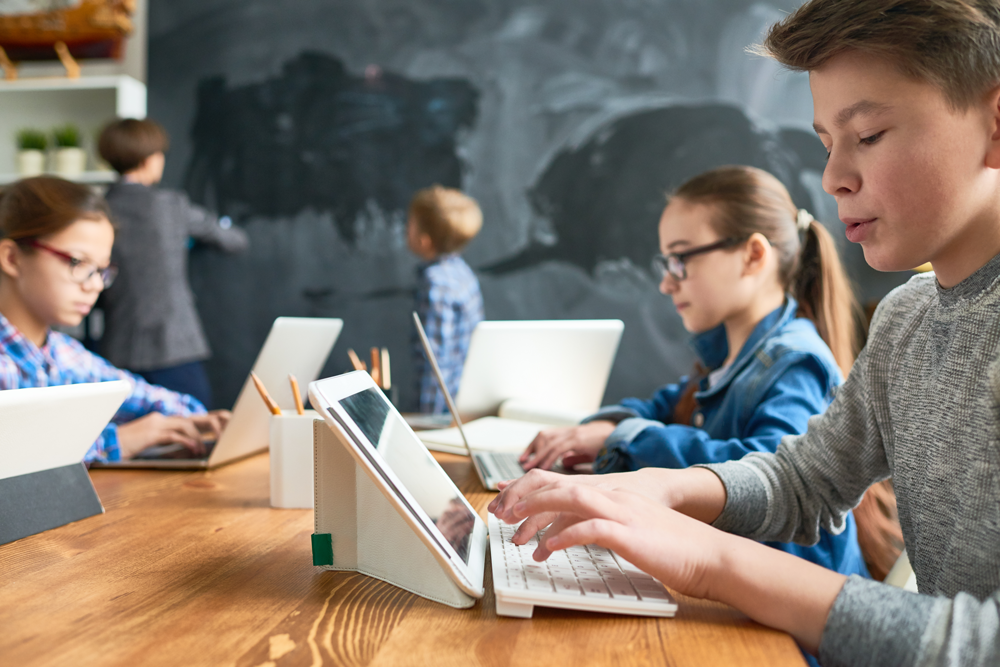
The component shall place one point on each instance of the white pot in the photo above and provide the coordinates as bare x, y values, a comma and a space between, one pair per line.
70, 161
30, 163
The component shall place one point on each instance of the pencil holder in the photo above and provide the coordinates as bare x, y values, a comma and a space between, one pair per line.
291, 446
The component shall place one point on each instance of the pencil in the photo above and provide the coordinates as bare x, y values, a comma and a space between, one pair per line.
376, 367
356, 361
386, 375
299, 408
271, 405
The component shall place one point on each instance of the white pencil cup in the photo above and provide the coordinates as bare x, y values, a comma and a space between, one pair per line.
291, 446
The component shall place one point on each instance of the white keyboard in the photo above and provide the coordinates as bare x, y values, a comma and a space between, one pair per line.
499, 466
586, 577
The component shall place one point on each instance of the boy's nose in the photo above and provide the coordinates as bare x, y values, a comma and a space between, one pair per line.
668, 285
840, 177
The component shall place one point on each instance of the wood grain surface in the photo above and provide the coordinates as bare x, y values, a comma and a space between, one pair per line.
195, 568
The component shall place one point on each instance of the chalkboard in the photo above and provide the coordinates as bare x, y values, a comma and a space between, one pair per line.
311, 124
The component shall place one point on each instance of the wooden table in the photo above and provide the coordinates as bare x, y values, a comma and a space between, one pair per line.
190, 568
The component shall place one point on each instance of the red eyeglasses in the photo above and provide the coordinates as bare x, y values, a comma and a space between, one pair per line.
80, 270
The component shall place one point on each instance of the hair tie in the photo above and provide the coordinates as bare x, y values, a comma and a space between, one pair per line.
803, 219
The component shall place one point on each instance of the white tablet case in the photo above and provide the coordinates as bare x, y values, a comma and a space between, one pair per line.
359, 530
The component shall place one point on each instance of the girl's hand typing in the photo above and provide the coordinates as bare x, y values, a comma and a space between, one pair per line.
582, 442
158, 429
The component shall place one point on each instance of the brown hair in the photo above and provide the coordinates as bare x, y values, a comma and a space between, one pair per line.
953, 44
449, 217
37, 207
126, 143
747, 200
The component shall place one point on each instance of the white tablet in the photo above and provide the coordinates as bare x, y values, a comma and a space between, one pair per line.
401, 467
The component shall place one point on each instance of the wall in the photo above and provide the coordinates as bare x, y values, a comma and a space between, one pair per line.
311, 123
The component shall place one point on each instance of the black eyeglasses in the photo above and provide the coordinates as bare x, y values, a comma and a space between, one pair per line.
673, 263
80, 270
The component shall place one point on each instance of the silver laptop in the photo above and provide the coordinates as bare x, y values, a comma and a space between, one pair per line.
492, 467
554, 364
296, 345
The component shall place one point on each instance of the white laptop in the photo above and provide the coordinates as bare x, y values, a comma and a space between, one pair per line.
532, 375
492, 467
588, 578
554, 364
44, 436
296, 345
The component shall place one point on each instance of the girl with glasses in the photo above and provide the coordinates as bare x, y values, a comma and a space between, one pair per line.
55, 250
759, 284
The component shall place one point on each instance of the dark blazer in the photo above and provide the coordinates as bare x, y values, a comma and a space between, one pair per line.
150, 316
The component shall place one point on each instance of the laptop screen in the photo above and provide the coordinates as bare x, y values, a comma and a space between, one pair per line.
413, 465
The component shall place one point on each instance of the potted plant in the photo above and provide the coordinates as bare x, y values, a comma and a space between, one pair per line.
31, 146
71, 160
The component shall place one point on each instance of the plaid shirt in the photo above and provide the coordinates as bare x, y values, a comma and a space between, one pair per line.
450, 306
63, 360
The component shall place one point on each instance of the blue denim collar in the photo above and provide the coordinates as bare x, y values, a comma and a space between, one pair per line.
713, 348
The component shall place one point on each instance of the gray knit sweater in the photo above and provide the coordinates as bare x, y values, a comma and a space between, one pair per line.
922, 404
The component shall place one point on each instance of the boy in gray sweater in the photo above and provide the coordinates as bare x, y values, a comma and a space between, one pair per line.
152, 326
907, 101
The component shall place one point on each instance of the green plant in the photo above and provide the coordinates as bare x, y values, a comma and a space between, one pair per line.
31, 140
67, 136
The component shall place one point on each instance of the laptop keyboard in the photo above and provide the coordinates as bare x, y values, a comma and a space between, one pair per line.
589, 571
501, 465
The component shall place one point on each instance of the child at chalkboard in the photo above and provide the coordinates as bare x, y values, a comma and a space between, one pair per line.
441, 223
151, 323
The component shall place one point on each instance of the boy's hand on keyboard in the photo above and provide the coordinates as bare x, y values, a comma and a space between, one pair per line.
550, 445
679, 551
697, 492
513, 491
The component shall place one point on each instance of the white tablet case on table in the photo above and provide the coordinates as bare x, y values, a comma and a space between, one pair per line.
359, 530
45, 434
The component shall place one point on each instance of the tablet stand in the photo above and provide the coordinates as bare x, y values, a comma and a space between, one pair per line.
38, 501
359, 530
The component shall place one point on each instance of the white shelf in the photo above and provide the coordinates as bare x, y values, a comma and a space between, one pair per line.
47, 102
129, 94
88, 177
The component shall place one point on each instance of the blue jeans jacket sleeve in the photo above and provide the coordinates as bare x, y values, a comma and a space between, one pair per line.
659, 407
645, 441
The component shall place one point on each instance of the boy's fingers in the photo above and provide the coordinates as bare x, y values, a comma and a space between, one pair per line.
532, 525
582, 500
603, 532
512, 493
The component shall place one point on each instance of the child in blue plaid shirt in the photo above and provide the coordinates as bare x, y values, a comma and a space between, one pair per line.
441, 223
55, 252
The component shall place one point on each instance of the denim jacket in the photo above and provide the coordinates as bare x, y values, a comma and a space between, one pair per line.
783, 375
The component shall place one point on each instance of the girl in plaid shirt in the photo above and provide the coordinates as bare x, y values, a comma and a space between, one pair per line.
55, 249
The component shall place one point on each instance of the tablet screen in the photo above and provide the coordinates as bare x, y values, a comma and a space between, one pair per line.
414, 466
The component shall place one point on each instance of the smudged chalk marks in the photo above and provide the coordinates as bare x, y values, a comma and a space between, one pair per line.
319, 137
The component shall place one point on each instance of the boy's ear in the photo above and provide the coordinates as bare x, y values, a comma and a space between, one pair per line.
993, 152
9, 258
755, 254
426, 243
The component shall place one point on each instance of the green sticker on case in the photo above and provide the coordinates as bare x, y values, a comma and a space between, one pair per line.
322, 544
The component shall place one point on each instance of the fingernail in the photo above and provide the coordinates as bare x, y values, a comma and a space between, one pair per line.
518, 508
